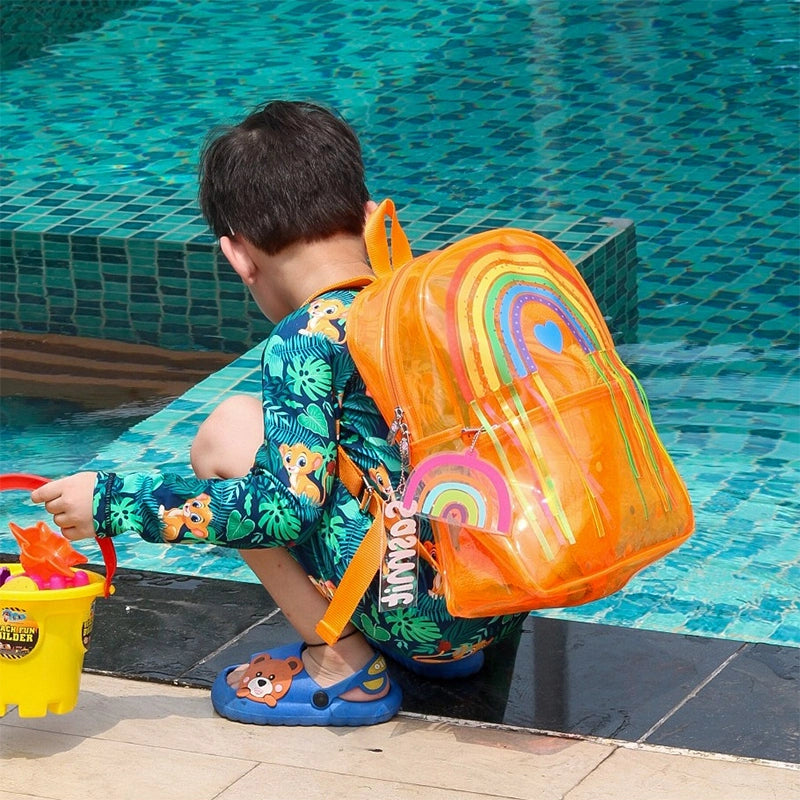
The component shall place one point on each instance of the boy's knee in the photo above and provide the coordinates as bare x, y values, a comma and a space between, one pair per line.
227, 440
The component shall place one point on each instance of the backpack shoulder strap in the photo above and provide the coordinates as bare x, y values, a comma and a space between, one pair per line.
367, 558
384, 256
357, 282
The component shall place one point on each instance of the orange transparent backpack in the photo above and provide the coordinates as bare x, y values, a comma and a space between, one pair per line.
527, 443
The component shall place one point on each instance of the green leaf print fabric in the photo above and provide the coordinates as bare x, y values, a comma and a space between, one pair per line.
306, 374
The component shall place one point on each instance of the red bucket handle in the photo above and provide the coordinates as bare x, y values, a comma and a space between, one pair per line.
27, 482
21, 480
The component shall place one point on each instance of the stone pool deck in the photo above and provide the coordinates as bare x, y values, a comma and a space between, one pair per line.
128, 739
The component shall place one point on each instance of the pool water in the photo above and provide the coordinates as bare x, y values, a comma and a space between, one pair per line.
54, 437
681, 116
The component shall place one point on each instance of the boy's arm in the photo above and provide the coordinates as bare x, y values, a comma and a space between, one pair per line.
252, 511
281, 499
256, 510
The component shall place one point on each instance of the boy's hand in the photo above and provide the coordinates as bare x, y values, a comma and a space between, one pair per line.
69, 501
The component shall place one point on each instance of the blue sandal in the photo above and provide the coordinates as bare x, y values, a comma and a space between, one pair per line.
277, 690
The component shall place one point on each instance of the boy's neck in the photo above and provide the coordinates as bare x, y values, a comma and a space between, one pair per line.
311, 266
283, 282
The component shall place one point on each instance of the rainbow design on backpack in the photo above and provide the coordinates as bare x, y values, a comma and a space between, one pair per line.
538, 323
462, 488
529, 301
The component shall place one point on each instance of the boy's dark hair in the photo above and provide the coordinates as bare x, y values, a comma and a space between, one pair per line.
290, 172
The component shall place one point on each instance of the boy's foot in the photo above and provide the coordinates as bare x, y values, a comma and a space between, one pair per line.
276, 688
323, 675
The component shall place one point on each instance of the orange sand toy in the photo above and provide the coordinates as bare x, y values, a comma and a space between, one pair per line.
45, 553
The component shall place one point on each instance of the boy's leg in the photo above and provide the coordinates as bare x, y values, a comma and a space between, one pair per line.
303, 605
225, 447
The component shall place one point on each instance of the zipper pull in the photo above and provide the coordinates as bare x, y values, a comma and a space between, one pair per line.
394, 428
405, 450
399, 428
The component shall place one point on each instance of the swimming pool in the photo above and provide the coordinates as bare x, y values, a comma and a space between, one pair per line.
57, 436
681, 116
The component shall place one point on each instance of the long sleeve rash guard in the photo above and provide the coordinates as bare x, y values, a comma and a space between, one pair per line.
312, 397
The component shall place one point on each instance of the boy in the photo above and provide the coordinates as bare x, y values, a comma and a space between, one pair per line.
284, 192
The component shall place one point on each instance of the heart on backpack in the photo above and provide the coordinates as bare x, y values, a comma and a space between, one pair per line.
549, 335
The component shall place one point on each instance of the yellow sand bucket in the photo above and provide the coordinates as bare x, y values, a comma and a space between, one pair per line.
44, 635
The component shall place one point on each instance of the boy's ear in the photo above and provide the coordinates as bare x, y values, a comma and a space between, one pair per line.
239, 258
369, 209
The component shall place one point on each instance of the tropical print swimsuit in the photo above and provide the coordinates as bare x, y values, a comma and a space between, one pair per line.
313, 398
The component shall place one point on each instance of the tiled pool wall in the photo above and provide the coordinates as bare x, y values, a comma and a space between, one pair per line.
136, 264
108, 263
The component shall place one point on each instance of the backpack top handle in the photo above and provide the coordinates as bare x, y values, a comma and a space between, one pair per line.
386, 254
